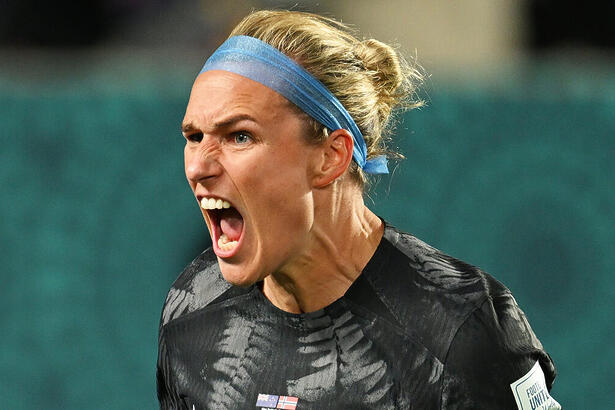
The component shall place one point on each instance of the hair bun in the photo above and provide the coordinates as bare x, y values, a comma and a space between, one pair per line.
385, 66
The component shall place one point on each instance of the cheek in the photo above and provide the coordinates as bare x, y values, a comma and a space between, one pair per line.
282, 201
279, 181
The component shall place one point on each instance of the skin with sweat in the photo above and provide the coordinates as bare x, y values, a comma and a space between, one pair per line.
306, 231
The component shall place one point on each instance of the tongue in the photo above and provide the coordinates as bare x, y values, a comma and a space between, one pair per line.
231, 223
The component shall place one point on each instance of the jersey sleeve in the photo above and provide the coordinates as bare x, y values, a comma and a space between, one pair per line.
492, 350
165, 380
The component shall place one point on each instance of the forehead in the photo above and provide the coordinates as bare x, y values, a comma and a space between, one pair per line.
216, 94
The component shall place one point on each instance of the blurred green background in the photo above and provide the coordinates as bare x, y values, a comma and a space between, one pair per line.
512, 172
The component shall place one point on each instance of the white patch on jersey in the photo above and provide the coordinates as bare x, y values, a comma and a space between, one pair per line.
531, 391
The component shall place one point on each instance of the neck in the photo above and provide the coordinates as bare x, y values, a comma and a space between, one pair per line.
343, 239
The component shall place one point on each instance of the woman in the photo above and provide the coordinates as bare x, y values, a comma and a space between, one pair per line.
306, 298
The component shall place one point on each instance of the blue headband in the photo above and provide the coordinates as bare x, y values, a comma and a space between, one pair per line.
260, 62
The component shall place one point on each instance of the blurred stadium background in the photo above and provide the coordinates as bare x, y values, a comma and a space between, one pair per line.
510, 167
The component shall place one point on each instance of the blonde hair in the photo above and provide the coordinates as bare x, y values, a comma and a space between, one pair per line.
368, 77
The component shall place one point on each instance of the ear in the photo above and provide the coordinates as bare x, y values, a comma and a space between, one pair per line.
335, 155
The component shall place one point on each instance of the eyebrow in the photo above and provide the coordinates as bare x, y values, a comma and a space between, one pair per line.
187, 127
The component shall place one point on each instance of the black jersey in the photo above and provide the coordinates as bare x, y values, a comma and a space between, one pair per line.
417, 330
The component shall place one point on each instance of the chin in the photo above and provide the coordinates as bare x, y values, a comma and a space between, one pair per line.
236, 275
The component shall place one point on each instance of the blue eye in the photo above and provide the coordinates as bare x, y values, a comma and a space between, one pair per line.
242, 138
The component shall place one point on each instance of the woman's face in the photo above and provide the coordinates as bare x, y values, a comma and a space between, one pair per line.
248, 164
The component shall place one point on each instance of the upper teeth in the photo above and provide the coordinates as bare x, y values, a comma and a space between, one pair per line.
213, 203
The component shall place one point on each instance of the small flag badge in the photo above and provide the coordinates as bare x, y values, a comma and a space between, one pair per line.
287, 402
267, 400
271, 401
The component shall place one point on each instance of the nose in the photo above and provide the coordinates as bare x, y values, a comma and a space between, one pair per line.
201, 160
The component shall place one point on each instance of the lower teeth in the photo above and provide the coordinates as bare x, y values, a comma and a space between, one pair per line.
225, 244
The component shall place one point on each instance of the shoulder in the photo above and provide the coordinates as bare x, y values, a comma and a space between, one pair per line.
197, 286
429, 293
466, 318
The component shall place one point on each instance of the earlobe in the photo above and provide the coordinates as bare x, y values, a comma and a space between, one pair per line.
334, 157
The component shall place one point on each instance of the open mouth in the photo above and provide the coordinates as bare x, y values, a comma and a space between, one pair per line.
226, 226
